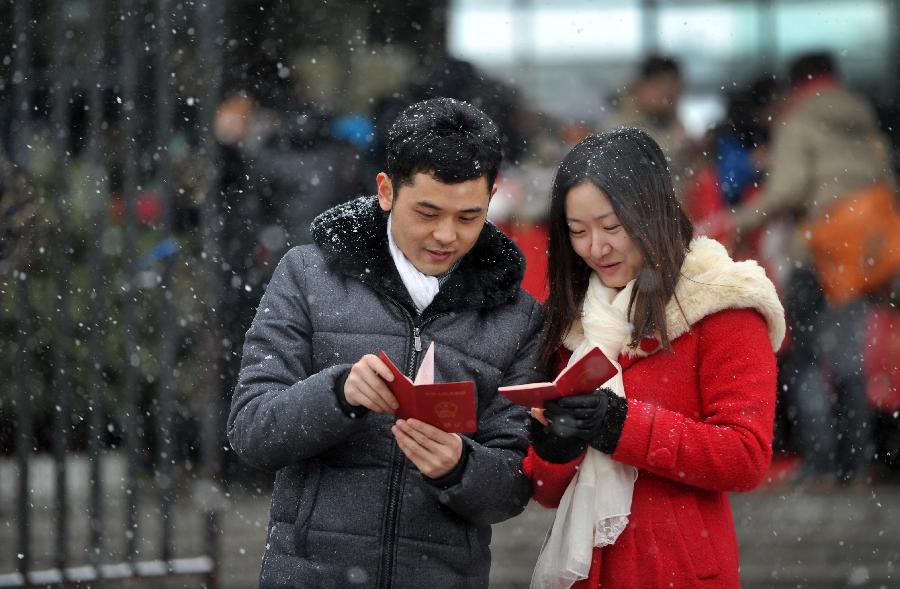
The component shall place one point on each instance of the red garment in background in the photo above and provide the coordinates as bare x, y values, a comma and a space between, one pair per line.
882, 359
147, 208
704, 200
533, 240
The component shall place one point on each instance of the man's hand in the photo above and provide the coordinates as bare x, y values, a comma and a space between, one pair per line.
433, 451
365, 385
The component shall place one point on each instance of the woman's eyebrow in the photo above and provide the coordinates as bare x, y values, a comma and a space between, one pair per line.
598, 217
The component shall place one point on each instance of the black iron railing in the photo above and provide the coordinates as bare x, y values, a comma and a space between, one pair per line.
91, 64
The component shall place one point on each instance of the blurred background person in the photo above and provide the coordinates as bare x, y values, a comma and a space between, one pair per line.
826, 146
733, 172
650, 103
737, 159
446, 76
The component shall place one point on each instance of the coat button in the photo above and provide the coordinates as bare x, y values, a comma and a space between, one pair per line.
648, 344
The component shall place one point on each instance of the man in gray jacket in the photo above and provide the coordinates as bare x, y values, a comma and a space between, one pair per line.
361, 498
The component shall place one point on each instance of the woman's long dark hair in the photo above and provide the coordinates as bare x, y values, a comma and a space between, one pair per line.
630, 169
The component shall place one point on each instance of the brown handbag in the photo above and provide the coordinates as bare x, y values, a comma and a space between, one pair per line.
855, 244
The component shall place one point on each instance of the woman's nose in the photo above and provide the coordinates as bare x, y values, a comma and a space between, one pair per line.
600, 248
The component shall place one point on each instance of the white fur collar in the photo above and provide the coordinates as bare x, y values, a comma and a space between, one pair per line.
711, 282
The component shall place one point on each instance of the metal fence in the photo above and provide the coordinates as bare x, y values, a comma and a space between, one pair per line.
76, 63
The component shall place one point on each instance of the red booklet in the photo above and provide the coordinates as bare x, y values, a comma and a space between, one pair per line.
589, 372
449, 406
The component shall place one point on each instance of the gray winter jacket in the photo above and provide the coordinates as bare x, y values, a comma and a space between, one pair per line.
348, 508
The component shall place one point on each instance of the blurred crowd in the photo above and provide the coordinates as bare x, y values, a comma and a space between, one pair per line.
790, 151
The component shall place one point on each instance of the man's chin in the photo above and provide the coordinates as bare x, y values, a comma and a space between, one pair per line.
430, 268
435, 271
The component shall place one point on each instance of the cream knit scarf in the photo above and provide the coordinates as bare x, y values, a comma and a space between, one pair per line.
595, 507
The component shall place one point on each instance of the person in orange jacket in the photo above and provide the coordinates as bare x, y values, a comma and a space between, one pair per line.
639, 470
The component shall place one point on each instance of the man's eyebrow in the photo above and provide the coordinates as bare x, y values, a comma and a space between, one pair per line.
429, 205
434, 207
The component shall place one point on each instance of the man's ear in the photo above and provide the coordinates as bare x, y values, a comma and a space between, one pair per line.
385, 191
492, 193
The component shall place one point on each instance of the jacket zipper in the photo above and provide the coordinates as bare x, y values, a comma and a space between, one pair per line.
393, 508
417, 347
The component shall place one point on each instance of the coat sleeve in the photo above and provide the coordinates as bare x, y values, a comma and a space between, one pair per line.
728, 446
549, 480
281, 411
493, 487
789, 179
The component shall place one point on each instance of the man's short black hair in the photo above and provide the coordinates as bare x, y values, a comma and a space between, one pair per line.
450, 139
655, 65
809, 65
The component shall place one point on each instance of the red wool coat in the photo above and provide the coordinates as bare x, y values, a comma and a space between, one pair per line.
699, 425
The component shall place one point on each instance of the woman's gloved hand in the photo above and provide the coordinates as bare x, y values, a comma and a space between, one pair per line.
551, 447
596, 418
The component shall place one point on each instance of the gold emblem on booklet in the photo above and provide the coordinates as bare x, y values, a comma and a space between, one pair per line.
446, 410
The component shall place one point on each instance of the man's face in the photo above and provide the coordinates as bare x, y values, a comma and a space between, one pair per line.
658, 96
435, 224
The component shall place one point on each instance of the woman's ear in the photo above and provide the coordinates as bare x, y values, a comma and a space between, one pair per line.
385, 191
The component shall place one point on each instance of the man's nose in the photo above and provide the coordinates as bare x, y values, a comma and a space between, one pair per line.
445, 232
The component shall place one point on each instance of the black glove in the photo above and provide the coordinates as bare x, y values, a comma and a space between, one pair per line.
551, 447
596, 418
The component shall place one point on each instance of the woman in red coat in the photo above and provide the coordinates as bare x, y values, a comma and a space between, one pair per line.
639, 470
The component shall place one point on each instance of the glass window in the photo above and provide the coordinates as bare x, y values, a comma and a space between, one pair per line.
709, 31
500, 32
481, 31
860, 30
583, 32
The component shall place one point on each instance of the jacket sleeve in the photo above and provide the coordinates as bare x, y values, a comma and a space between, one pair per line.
281, 412
493, 487
729, 445
789, 180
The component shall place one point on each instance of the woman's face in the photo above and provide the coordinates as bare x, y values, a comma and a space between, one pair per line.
599, 238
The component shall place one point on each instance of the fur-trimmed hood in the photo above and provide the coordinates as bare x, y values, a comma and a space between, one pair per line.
711, 282
353, 238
